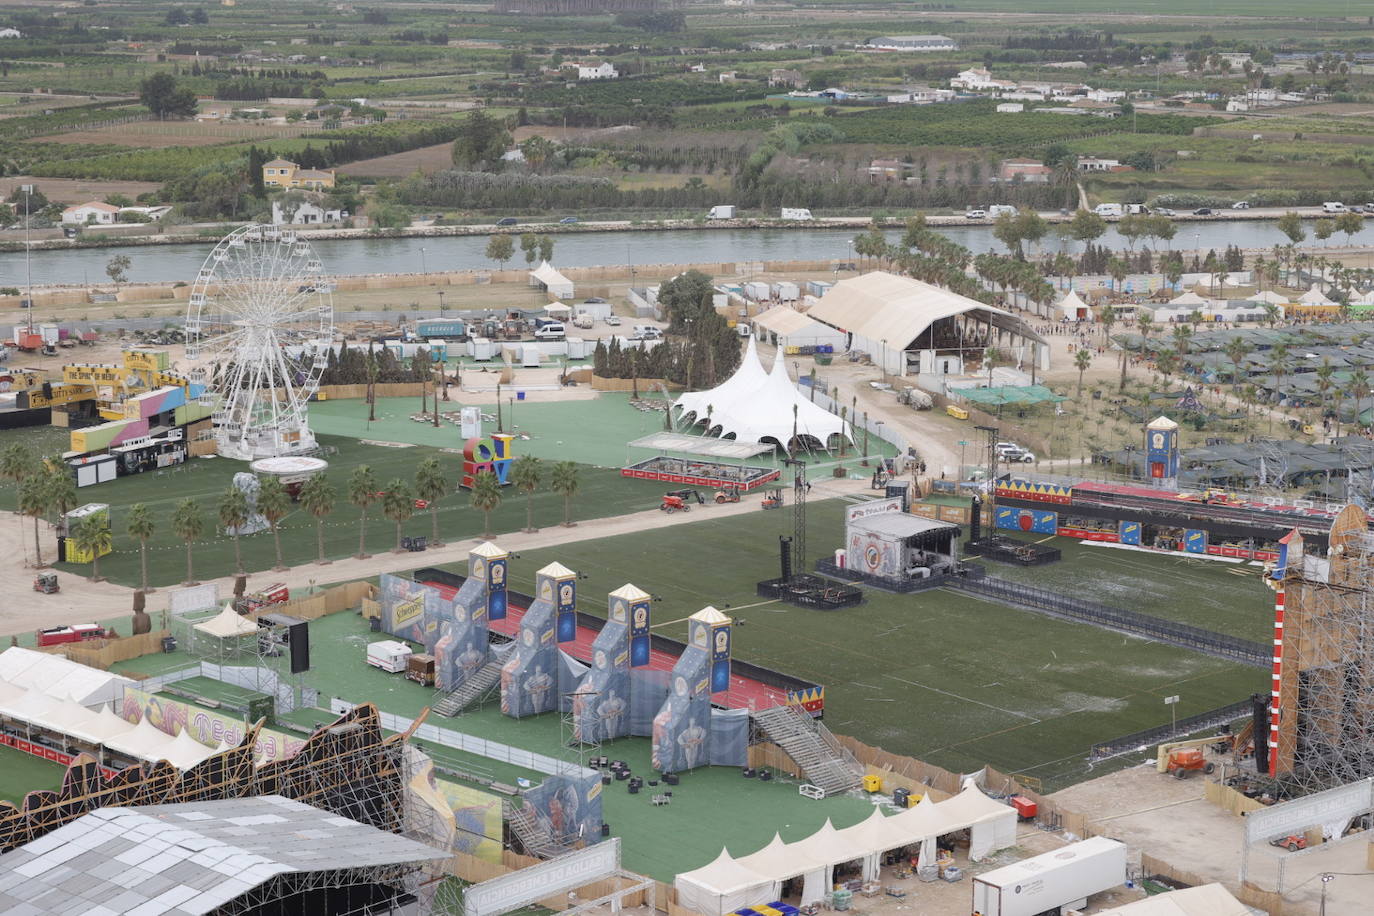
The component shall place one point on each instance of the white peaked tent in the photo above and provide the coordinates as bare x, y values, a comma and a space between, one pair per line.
1074, 308
759, 877
1271, 297
754, 406
185, 752
745, 382
59, 677
1189, 298
1364, 299
228, 624
145, 741
723, 887
547, 276
102, 728
1314, 296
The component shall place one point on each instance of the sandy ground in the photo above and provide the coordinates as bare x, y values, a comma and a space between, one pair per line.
1171, 820
77, 190
82, 601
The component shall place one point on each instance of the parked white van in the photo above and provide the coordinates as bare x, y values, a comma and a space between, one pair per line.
1109, 210
552, 331
1333, 206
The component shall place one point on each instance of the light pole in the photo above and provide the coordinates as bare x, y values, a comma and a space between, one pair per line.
28, 251
1326, 879
1172, 703
959, 473
441, 300
423, 268
884, 360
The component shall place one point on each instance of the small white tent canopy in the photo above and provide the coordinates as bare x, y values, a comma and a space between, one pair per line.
1189, 298
871, 838
1364, 299
1314, 296
993, 824
67, 717
227, 624
1204, 900
547, 276
1074, 308
185, 752
723, 887
558, 310
787, 327
59, 677
1271, 297
779, 862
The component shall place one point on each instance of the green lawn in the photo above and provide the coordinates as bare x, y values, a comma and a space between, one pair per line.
602, 493
21, 773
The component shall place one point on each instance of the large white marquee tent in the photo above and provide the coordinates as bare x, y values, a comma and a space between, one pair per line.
60, 678
729, 883
757, 406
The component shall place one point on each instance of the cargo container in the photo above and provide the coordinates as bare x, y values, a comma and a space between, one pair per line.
447, 329
1052, 882
786, 292
389, 655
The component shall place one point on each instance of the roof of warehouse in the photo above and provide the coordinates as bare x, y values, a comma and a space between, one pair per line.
187, 858
884, 306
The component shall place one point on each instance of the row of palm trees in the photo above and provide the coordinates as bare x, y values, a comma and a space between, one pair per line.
46, 486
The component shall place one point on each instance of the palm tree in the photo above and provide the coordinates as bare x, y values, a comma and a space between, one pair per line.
1236, 350
526, 474
34, 501
362, 492
486, 498
1182, 334
233, 515
275, 504
317, 495
62, 495
431, 486
1324, 382
563, 481
1167, 363
140, 526
16, 463
1359, 386
1081, 361
398, 504
188, 525
91, 534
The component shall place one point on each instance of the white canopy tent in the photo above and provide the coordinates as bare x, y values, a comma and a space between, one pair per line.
227, 624
786, 327
723, 887
558, 310
1270, 296
547, 276
1074, 308
753, 405
106, 725
758, 877
144, 741
1314, 296
59, 677
1364, 299
1189, 298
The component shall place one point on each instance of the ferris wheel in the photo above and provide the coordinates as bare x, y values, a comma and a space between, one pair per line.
259, 326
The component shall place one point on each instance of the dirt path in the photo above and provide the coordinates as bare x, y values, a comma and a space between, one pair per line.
83, 601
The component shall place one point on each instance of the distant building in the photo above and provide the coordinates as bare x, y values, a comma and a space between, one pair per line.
790, 79
153, 213
282, 173
980, 79
11, 33
306, 214
1093, 164
601, 71
1027, 171
884, 170
1010, 107
93, 213
912, 43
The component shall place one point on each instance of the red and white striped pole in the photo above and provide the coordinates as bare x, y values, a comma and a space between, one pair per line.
1274, 690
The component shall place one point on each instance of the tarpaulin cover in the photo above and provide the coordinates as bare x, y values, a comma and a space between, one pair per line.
729, 737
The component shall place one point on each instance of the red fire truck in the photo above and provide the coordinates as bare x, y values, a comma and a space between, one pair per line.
78, 632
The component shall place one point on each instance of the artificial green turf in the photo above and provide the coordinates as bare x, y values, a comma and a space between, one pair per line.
602, 492
22, 773
1215, 595
593, 432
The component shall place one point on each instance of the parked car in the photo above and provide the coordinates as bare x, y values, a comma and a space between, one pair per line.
976, 214
1011, 452
1240, 205
507, 221
567, 221
1164, 211
613, 321
597, 300
1203, 211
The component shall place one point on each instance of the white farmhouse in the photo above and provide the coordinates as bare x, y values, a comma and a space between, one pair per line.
601, 71
93, 213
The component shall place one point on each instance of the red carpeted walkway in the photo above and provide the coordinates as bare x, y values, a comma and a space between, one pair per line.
744, 693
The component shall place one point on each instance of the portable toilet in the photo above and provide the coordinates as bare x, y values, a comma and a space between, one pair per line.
577, 348
438, 350
481, 349
530, 355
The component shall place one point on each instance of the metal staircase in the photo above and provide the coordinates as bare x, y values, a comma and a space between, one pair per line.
823, 761
478, 687
537, 839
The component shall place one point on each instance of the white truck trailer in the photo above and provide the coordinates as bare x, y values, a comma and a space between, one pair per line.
722, 211
1052, 882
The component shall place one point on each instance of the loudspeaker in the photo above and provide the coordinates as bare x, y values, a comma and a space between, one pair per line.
975, 519
785, 555
298, 637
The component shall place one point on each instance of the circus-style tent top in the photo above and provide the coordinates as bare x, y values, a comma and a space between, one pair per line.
759, 406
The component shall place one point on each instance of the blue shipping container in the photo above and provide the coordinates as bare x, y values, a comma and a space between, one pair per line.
440, 329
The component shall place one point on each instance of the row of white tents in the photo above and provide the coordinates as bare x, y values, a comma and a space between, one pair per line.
729, 883
50, 693
757, 406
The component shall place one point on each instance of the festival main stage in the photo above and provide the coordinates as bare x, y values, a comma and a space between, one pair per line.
701, 471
